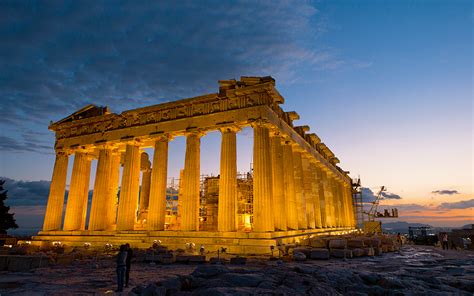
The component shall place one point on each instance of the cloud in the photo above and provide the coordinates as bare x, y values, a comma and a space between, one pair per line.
26, 145
445, 192
369, 196
26, 193
57, 57
463, 204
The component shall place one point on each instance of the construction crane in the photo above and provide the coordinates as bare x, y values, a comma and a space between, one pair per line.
372, 226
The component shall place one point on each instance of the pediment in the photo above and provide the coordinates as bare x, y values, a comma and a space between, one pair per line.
86, 112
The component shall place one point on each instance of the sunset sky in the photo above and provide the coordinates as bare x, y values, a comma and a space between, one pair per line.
386, 85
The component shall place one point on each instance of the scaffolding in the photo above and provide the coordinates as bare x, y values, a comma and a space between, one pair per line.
357, 202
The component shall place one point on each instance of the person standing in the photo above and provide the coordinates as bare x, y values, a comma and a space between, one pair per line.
444, 241
121, 267
128, 263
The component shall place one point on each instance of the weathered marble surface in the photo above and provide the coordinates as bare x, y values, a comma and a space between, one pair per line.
414, 271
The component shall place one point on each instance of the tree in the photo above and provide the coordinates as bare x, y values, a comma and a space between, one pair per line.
6, 219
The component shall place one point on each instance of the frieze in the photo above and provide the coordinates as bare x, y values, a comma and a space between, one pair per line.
143, 117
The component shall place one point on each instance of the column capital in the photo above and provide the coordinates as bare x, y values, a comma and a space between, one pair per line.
260, 123
230, 128
194, 132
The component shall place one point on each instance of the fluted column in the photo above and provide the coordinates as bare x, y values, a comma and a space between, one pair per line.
299, 194
190, 205
329, 200
279, 205
145, 167
129, 190
317, 195
100, 195
337, 202
112, 193
157, 205
227, 181
308, 192
345, 207
262, 180
289, 180
76, 207
324, 206
54, 209
350, 205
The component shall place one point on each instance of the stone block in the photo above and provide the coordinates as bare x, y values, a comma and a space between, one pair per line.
238, 260
299, 256
340, 253
19, 263
358, 252
3, 263
305, 251
65, 259
182, 259
378, 251
337, 244
369, 251
197, 259
355, 243
38, 262
320, 254
373, 242
318, 243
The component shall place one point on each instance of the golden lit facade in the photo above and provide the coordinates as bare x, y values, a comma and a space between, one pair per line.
296, 186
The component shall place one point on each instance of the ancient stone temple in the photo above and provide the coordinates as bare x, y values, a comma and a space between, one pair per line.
296, 188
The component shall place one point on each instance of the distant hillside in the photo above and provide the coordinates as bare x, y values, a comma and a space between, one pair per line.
400, 226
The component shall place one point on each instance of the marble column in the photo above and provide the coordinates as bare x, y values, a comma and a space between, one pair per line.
299, 193
308, 192
54, 209
350, 206
279, 205
190, 205
262, 180
317, 195
145, 167
345, 205
289, 180
112, 193
100, 196
329, 199
130, 188
76, 207
157, 205
226, 212
337, 202
324, 206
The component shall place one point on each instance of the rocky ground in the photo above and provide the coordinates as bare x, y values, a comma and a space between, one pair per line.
415, 270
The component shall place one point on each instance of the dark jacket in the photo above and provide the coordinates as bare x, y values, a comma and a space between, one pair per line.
129, 256
122, 258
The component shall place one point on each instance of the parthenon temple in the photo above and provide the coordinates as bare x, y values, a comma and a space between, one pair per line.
295, 188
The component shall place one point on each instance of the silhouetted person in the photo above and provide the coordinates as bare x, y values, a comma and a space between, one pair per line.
129, 263
121, 267
453, 246
444, 241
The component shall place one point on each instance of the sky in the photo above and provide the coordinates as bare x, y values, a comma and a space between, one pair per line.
387, 85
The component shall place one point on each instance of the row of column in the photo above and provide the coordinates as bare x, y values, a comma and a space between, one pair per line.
290, 189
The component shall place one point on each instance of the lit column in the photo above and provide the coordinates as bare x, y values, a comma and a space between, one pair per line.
100, 196
299, 194
279, 206
317, 195
128, 202
190, 205
157, 205
308, 192
350, 205
328, 198
227, 181
77, 198
112, 193
289, 180
323, 205
337, 202
345, 205
145, 167
262, 180
54, 210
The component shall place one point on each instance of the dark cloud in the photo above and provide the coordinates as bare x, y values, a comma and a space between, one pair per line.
26, 193
26, 144
369, 196
445, 192
57, 57
463, 204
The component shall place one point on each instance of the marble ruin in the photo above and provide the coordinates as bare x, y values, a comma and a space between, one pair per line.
296, 188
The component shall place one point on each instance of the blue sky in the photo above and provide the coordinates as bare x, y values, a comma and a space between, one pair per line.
387, 85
